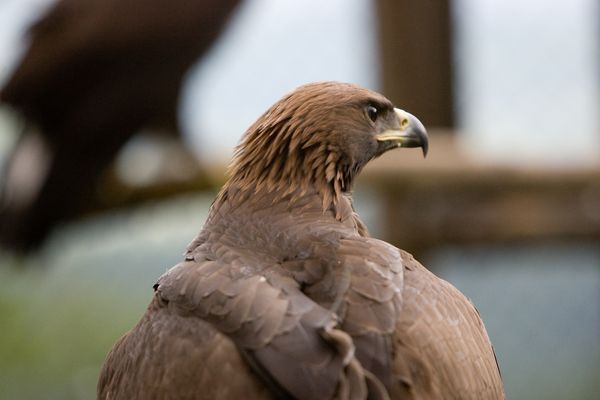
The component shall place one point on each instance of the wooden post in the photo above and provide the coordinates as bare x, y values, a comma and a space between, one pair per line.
416, 60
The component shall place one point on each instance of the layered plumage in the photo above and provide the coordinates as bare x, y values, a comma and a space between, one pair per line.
95, 73
284, 293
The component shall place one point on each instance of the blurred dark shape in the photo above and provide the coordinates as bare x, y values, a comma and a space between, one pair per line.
97, 71
415, 42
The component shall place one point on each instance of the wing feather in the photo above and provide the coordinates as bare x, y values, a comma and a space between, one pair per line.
442, 346
279, 328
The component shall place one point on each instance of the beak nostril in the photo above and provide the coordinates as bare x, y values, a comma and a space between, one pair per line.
404, 123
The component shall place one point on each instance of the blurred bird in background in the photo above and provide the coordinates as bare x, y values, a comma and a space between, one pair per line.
95, 74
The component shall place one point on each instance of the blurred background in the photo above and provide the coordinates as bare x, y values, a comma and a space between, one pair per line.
506, 206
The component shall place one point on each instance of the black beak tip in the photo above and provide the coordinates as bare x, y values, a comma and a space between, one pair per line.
419, 135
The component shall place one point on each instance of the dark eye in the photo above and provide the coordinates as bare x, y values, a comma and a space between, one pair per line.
373, 113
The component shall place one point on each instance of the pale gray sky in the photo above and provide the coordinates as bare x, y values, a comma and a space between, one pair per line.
529, 80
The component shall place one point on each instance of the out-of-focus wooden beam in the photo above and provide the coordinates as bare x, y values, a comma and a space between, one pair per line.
451, 199
415, 57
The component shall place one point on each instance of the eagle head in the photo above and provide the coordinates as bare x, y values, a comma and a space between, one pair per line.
320, 136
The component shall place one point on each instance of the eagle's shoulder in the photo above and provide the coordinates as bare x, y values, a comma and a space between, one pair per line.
288, 339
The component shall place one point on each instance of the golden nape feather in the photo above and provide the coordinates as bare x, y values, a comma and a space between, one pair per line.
283, 294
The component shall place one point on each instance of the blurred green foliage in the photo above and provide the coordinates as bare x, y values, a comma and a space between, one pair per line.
62, 309
56, 333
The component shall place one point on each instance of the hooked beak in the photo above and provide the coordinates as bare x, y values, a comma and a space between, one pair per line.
410, 133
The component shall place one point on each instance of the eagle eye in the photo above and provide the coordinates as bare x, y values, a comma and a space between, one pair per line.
372, 112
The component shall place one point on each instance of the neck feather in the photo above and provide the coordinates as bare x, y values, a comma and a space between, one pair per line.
285, 169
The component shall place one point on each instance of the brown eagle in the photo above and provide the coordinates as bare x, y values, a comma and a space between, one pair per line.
96, 73
283, 294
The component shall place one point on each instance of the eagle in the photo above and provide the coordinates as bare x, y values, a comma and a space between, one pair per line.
96, 72
284, 294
